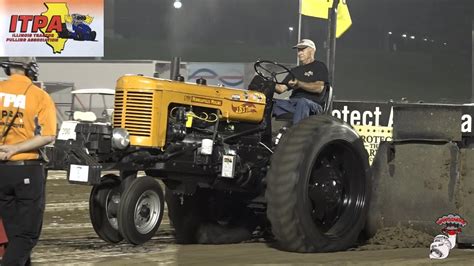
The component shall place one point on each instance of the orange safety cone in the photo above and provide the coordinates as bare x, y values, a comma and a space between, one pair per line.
3, 239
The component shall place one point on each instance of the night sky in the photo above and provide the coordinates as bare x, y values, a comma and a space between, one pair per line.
265, 23
432, 63
421, 50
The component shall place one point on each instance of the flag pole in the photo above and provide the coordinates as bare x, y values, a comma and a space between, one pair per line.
331, 52
299, 30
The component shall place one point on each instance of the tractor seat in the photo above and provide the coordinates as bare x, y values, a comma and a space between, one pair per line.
327, 107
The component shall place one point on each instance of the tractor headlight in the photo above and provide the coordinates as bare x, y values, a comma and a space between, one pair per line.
120, 138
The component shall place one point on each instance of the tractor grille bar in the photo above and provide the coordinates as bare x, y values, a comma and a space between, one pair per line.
133, 111
118, 109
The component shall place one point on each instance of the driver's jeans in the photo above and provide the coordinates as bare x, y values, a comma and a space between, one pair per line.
299, 107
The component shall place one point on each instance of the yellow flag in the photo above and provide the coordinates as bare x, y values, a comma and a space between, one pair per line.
344, 20
319, 9
315, 8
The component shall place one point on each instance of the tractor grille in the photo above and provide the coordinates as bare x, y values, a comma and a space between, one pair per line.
118, 109
133, 111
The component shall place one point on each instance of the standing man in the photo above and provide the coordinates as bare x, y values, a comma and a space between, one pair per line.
307, 96
27, 123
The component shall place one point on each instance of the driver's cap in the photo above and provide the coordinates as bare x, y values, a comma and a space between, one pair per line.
305, 43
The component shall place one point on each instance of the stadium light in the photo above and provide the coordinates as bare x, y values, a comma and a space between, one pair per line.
177, 4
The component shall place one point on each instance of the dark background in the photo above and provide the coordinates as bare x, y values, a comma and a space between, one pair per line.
371, 64
435, 65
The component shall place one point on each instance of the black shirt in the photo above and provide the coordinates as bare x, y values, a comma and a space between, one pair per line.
312, 72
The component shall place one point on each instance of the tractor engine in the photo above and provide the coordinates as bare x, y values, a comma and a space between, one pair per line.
230, 152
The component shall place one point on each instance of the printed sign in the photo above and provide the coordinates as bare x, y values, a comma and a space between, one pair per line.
372, 136
79, 173
203, 100
52, 28
381, 114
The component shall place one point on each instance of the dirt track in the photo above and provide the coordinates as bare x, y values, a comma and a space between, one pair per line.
68, 237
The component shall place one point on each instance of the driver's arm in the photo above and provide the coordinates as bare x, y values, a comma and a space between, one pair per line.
313, 87
281, 88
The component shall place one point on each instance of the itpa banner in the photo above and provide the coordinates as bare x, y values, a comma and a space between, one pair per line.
52, 28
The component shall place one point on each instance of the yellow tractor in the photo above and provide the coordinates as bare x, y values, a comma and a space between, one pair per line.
213, 149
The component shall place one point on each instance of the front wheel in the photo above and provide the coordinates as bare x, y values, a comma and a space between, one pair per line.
318, 187
141, 210
103, 205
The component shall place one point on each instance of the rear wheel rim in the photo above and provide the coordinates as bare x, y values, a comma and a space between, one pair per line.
333, 190
111, 206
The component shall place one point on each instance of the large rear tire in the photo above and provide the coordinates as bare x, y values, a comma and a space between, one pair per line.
103, 205
318, 187
141, 210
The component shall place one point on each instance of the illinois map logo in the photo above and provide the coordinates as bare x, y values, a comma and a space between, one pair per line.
52, 28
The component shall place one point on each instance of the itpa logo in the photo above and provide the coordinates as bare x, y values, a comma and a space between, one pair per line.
39, 22
37, 28
55, 26
442, 244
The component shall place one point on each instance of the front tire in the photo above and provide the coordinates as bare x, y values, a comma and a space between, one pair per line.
141, 210
103, 205
318, 187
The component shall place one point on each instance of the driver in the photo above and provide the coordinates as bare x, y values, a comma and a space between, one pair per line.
310, 78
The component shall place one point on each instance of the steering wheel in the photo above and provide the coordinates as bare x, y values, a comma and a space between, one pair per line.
273, 71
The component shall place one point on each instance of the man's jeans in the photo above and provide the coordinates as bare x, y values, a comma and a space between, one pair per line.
299, 107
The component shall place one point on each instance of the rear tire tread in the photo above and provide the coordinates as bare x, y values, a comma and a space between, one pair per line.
282, 186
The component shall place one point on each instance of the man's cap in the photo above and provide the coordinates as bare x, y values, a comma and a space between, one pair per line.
305, 43
22, 60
